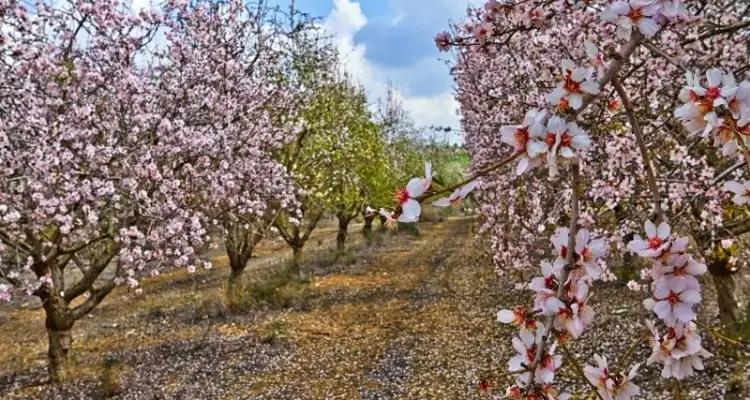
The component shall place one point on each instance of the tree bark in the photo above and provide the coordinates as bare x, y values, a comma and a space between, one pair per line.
343, 232
367, 230
237, 262
726, 287
728, 309
297, 256
59, 323
240, 244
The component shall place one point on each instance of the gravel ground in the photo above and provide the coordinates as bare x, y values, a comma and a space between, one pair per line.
411, 319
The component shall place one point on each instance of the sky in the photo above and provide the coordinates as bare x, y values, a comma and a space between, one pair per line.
384, 41
391, 41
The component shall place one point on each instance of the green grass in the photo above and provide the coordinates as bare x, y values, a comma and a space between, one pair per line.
280, 288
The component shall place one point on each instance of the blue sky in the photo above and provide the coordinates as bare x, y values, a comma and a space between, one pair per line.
385, 41
391, 41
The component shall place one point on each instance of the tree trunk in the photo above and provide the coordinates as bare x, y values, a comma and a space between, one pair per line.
343, 232
723, 277
237, 262
383, 220
367, 230
239, 244
728, 309
297, 256
58, 323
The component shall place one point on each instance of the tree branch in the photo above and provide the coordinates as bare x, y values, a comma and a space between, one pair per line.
638, 133
573, 230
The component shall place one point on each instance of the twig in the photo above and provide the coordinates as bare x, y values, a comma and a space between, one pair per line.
664, 55
569, 355
482, 172
743, 148
574, 213
638, 133
717, 333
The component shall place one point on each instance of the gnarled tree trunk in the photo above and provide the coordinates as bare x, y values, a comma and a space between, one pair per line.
239, 247
723, 277
367, 229
59, 323
297, 256
343, 232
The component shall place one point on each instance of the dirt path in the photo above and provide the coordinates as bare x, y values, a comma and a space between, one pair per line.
413, 318
392, 328
402, 320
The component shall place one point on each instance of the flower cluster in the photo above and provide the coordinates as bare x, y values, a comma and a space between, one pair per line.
576, 82
721, 109
535, 137
407, 198
503, 69
561, 294
644, 15
676, 291
610, 385
741, 191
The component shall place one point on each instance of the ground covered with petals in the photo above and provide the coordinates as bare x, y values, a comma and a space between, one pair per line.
412, 318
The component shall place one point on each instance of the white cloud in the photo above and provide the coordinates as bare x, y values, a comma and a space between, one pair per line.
344, 21
436, 110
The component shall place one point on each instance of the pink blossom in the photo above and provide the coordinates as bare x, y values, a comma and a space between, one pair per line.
633, 13
456, 197
595, 56
443, 41
5, 294
590, 251
741, 191
673, 9
574, 318
612, 386
634, 286
675, 299
407, 198
560, 242
679, 350
527, 138
564, 139
526, 345
577, 82
519, 317
656, 242
482, 31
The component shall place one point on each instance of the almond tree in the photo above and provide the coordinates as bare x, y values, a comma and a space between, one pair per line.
605, 138
688, 173
127, 139
336, 159
223, 68
361, 168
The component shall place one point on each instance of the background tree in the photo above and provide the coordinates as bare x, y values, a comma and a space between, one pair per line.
359, 166
96, 187
232, 59
125, 152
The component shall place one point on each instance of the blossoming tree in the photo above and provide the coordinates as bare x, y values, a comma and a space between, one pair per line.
337, 159
362, 169
609, 136
125, 140
225, 67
